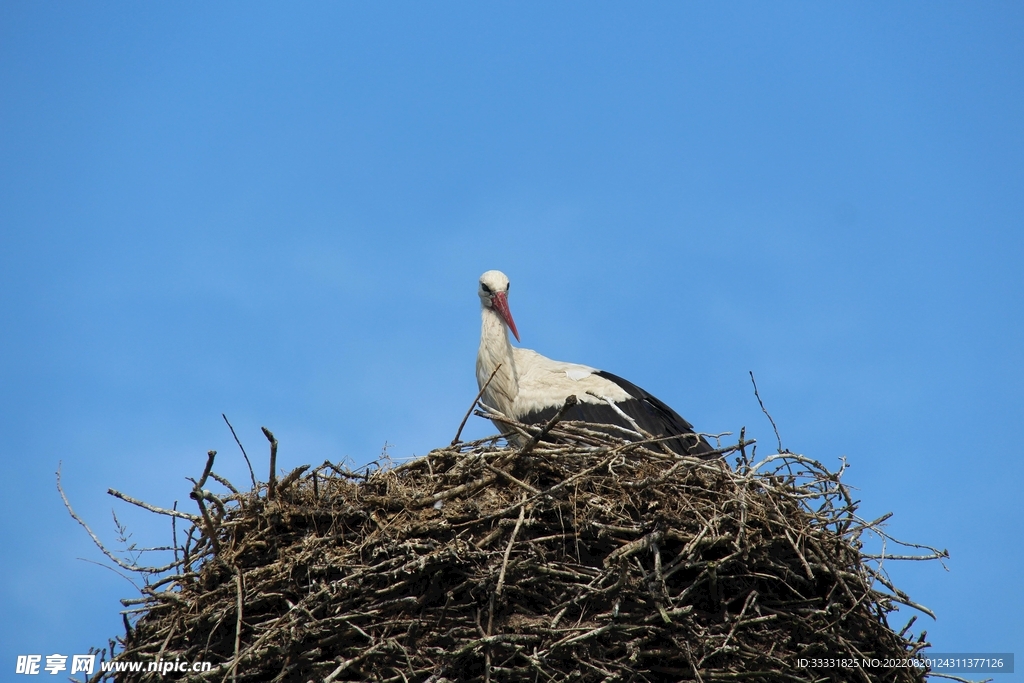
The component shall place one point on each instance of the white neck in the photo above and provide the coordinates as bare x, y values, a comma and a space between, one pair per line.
495, 350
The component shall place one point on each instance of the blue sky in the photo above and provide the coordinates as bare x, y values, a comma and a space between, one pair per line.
280, 213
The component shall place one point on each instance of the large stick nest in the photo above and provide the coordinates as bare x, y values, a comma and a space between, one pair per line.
579, 557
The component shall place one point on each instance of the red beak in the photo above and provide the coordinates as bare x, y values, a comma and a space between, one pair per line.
500, 303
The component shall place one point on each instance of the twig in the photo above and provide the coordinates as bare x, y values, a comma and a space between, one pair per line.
67, 504
511, 478
292, 477
632, 547
639, 432
152, 508
473, 405
272, 482
354, 660
956, 678
170, 633
238, 623
224, 482
252, 476
765, 411
508, 548
457, 491
198, 496
174, 534
570, 401
941, 555
210, 455
123, 576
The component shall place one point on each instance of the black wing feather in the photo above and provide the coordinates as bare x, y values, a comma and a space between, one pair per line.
657, 418
650, 414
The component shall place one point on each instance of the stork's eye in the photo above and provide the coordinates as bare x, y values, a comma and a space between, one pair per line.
487, 290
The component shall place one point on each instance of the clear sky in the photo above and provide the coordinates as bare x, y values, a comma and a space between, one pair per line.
280, 211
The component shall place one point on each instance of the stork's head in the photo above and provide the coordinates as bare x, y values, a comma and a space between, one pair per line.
493, 294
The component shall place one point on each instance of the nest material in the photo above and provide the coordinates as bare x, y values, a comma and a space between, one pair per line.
587, 559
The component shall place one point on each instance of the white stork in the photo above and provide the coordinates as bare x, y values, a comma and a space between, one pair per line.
531, 388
